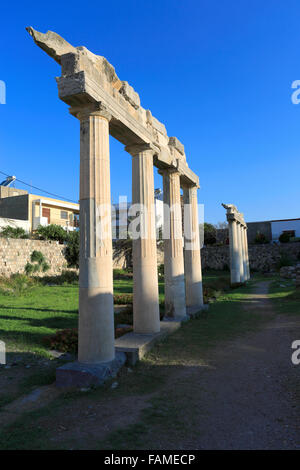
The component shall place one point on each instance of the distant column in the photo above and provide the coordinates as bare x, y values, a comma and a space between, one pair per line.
173, 246
234, 252
146, 319
96, 312
192, 256
247, 253
241, 251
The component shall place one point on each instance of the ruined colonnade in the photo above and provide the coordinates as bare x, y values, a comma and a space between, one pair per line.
106, 105
238, 245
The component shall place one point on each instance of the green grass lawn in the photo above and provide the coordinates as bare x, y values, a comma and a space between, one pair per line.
26, 318
285, 297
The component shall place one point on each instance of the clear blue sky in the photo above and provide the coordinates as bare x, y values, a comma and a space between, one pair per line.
217, 73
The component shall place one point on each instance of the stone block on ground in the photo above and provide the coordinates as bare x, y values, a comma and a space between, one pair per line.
76, 374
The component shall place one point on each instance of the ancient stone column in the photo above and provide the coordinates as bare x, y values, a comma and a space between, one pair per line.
246, 253
173, 246
192, 256
146, 318
240, 247
96, 312
234, 252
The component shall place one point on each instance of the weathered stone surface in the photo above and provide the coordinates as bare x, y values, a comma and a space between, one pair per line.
15, 253
137, 345
262, 258
130, 95
78, 374
88, 78
174, 142
53, 44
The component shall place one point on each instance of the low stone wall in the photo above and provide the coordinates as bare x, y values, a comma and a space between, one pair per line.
15, 253
261, 257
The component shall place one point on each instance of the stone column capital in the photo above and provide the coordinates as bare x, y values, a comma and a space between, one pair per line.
137, 149
94, 109
169, 171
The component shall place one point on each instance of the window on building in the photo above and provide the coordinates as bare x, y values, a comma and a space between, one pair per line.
64, 215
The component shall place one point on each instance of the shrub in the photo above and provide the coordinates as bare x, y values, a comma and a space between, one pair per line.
63, 340
52, 232
122, 274
210, 234
72, 249
260, 238
13, 232
161, 270
37, 256
16, 284
66, 277
284, 237
284, 260
123, 299
39, 263
67, 340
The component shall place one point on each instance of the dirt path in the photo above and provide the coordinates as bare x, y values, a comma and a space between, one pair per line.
246, 396
250, 400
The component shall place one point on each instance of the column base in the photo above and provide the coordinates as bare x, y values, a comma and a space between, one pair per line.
77, 374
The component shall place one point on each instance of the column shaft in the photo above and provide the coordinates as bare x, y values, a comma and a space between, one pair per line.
146, 318
241, 258
96, 313
173, 247
234, 252
192, 256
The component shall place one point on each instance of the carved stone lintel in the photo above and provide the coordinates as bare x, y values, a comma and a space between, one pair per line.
174, 142
94, 109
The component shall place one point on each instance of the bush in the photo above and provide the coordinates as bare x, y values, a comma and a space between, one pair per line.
284, 260
52, 232
161, 270
67, 340
122, 274
14, 232
210, 234
37, 256
260, 239
72, 249
40, 263
123, 299
284, 237
63, 340
65, 278
16, 284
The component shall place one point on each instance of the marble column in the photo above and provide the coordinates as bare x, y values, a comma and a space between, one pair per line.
246, 253
96, 312
234, 252
146, 319
240, 247
173, 246
192, 256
